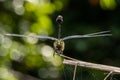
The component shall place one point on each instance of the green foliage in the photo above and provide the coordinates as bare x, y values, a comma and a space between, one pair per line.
37, 17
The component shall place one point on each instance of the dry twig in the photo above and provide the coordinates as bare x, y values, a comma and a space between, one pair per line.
108, 75
93, 65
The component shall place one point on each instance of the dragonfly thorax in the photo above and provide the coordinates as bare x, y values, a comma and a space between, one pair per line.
59, 46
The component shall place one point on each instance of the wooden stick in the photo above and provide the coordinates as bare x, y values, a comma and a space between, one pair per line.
93, 65
108, 75
74, 74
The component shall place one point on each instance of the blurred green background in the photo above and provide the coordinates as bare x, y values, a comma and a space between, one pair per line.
32, 59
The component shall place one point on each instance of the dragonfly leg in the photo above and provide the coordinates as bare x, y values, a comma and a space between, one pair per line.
58, 52
54, 52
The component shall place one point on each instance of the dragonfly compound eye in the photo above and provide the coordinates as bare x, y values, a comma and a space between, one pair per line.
59, 19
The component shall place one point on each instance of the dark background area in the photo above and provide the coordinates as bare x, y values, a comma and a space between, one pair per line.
34, 57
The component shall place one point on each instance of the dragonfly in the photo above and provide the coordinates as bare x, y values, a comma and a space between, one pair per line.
59, 44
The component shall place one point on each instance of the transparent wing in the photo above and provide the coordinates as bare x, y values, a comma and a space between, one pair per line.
97, 34
35, 36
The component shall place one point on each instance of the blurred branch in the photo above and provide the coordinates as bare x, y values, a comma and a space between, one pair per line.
93, 65
23, 76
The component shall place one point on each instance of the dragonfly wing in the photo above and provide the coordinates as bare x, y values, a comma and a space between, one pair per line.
72, 37
98, 34
32, 36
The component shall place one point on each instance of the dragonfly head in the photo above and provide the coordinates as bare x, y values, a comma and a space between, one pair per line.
59, 46
59, 19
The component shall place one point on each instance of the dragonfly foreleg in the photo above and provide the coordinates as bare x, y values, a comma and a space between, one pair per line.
58, 52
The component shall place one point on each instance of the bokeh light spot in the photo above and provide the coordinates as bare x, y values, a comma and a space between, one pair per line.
93, 2
56, 60
43, 26
47, 8
47, 51
16, 55
31, 40
5, 74
6, 42
18, 6
108, 4
33, 61
58, 4
30, 7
